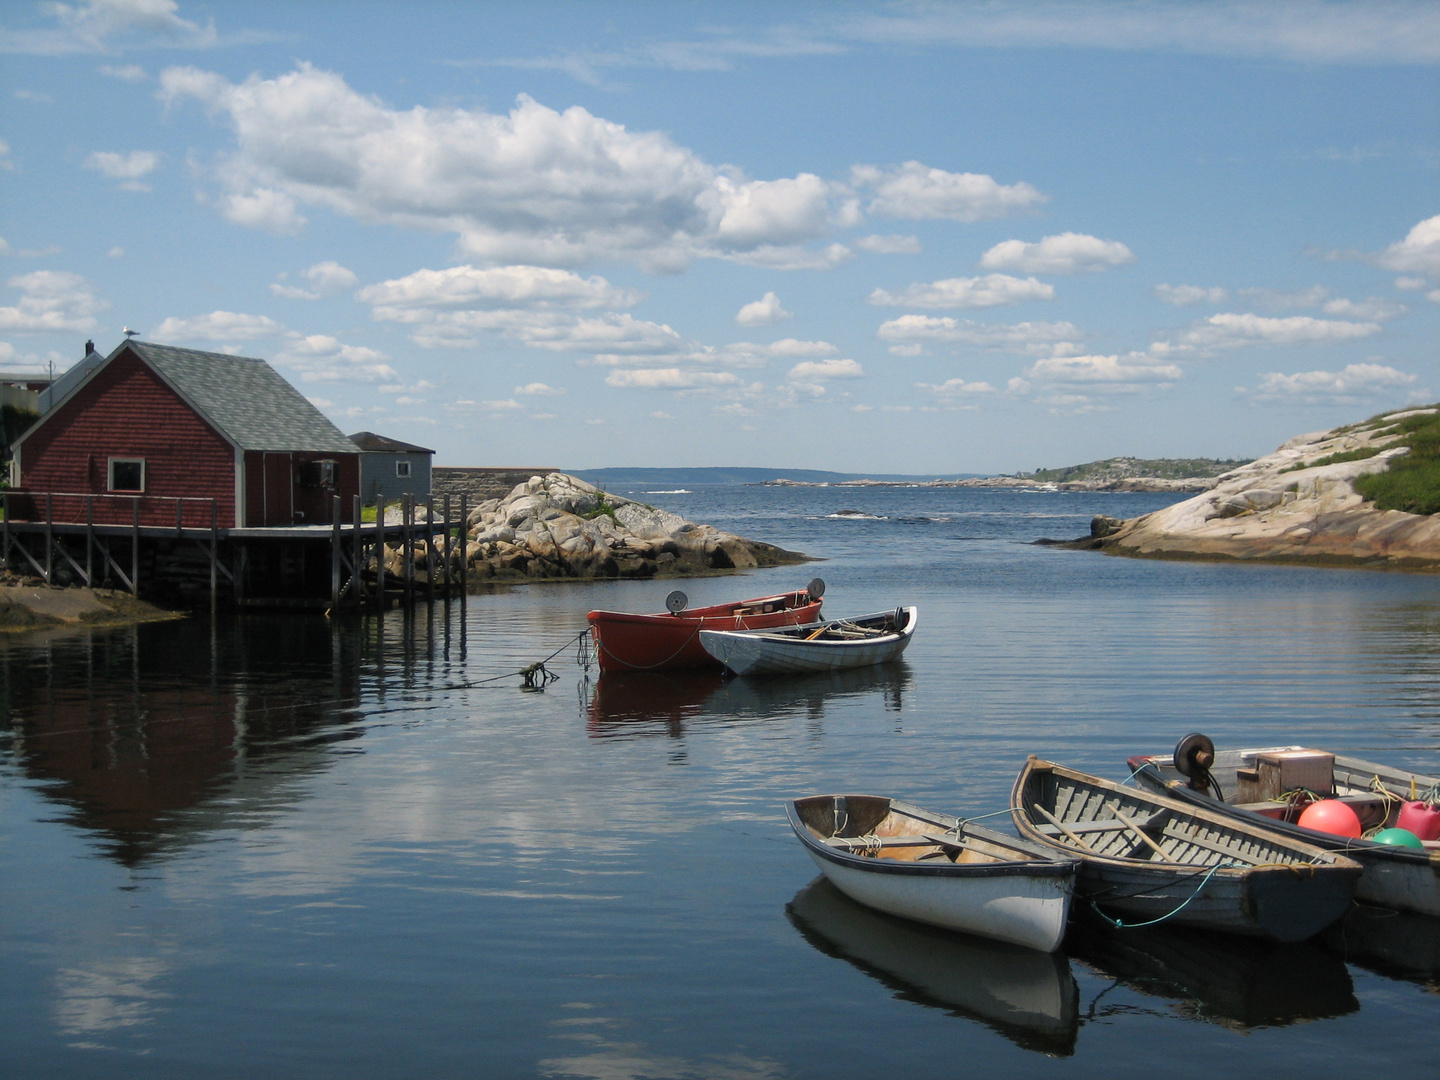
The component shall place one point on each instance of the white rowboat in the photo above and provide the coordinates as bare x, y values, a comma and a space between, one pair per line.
828, 646
937, 869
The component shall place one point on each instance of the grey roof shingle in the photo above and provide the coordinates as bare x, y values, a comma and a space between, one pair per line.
368, 440
246, 399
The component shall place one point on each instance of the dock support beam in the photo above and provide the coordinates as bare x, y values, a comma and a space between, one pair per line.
135, 548
334, 552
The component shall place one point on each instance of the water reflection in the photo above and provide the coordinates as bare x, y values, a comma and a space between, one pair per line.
662, 702
133, 732
1396, 944
1029, 997
1217, 978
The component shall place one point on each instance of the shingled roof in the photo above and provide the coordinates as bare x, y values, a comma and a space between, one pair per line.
368, 440
246, 399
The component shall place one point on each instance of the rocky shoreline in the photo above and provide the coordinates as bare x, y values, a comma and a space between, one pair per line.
558, 527
1297, 505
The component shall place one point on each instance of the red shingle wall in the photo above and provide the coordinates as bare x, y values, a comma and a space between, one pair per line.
127, 411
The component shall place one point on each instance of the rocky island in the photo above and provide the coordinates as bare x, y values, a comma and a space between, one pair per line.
559, 526
1364, 494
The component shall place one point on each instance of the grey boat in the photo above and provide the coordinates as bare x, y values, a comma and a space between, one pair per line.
1147, 858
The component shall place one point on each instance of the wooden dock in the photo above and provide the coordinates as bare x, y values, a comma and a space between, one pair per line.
340, 566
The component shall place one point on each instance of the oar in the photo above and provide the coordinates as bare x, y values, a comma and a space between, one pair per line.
1141, 834
1064, 829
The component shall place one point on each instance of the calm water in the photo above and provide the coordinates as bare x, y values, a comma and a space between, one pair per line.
277, 848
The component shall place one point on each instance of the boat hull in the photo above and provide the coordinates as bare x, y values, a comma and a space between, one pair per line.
1401, 878
1215, 872
1024, 900
781, 654
664, 642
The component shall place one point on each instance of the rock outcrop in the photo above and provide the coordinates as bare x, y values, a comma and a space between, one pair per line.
1297, 505
558, 526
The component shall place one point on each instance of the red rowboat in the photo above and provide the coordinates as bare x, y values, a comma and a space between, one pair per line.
625, 642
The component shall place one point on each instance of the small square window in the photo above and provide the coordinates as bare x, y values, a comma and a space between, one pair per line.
402, 470
127, 474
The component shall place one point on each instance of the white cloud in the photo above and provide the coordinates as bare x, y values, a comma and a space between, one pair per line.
1357, 382
670, 379
532, 186
127, 168
1411, 284
321, 358
126, 73
5, 247
1233, 331
104, 25
538, 389
1064, 253
116, 252
791, 347
462, 288
1184, 295
916, 191
1418, 253
1034, 338
325, 279
1102, 371
217, 326
819, 370
5, 163
878, 244
34, 95
958, 392
975, 292
1280, 300
763, 312
53, 300
1374, 308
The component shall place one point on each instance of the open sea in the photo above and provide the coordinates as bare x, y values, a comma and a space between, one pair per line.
275, 846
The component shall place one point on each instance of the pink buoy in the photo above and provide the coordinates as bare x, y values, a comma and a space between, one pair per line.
1421, 819
1330, 816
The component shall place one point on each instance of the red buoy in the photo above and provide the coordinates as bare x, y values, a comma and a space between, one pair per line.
1331, 816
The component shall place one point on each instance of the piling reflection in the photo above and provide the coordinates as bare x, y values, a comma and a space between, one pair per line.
1223, 979
135, 731
1396, 944
663, 702
1029, 997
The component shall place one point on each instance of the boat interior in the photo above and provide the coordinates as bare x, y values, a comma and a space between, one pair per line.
863, 628
1120, 823
872, 827
1281, 781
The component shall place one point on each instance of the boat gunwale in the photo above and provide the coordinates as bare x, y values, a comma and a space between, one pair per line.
1321, 859
787, 633
792, 599
1045, 863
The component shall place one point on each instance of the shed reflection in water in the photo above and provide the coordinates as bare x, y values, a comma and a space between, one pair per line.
1396, 944
1236, 982
138, 733
1029, 997
662, 702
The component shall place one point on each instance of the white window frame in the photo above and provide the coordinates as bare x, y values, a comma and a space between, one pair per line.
402, 470
110, 474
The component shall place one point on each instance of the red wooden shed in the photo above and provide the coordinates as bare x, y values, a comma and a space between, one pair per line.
172, 430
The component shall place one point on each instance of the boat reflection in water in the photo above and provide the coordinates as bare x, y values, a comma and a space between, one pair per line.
1028, 996
662, 702
1396, 944
1236, 982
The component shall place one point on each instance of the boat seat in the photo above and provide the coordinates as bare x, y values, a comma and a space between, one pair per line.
859, 843
1109, 825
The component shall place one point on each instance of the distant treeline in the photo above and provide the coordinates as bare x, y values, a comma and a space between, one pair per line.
1123, 468
613, 478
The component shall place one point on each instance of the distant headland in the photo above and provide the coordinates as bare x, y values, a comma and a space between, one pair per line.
1365, 494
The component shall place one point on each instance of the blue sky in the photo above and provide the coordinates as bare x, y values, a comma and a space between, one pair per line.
915, 237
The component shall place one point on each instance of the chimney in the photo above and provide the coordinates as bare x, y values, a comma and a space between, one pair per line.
89, 347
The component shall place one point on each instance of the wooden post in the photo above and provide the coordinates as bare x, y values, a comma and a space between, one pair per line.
334, 552
407, 546
430, 548
214, 553
89, 540
5, 500
447, 549
464, 545
49, 541
355, 551
179, 518
135, 546
380, 553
